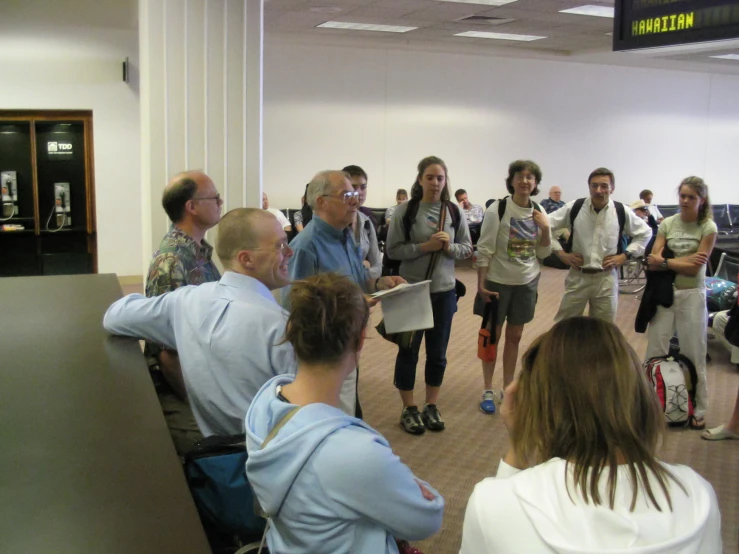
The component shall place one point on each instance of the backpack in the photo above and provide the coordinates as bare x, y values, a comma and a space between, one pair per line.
620, 213
720, 294
674, 381
216, 474
409, 218
502, 205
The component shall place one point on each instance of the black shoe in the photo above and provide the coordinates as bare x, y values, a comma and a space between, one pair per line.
410, 421
432, 418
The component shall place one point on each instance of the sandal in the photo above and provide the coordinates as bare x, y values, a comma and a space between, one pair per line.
719, 433
697, 423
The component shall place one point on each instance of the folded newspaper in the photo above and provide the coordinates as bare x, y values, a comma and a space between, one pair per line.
407, 307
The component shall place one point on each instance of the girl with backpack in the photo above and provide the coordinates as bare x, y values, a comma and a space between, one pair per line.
427, 234
691, 235
514, 237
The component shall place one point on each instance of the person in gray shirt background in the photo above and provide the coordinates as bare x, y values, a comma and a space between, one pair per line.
421, 215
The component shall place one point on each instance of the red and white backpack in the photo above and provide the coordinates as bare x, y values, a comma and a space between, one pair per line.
674, 380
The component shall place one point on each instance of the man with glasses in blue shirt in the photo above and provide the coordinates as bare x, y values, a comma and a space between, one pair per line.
326, 245
229, 334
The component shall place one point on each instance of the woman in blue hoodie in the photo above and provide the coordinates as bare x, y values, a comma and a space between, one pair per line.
329, 482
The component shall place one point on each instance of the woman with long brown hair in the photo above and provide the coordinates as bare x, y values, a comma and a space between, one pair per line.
582, 472
691, 235
426, 232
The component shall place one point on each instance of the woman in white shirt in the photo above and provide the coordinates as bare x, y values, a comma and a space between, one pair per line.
582, 473
691, 235
514, 237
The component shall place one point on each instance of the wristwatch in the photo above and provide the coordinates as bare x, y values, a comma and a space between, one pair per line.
663, 265
629, 255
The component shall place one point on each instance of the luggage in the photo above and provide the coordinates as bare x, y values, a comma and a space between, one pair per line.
675, 381
720, 294
216, 474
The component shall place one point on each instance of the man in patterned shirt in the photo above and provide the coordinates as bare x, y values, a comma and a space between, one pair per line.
473, 213
184, 258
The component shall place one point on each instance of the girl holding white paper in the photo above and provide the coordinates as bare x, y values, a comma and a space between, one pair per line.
428, 231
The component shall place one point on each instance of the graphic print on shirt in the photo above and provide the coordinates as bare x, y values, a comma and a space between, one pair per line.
522, 239
682, 244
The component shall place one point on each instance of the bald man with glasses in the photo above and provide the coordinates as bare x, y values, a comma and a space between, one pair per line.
325, 246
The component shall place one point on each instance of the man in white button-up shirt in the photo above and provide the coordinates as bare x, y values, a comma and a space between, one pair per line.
229, 333
596, 256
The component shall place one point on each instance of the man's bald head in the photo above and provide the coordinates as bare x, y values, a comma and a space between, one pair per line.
555, 193
240, 229
180, 189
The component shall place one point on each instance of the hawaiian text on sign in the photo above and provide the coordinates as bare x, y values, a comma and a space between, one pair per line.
664, 24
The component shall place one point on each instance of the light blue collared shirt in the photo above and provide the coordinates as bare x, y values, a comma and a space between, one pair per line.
229, 338
321, 248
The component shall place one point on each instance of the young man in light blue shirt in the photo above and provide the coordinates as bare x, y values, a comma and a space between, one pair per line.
229, 333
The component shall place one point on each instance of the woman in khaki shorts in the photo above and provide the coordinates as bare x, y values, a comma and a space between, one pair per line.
514, 236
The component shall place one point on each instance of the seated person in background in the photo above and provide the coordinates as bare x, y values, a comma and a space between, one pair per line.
303, 216
400, 197
277, 213
473, 213
329, 482
647, 196
358, 178
641, 209
227, 333
582, 472
184, 257
554, 202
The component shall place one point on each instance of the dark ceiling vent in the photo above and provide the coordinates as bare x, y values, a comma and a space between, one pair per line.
485, 20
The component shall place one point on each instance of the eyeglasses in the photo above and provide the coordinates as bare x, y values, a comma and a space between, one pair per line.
346, 196
217, 198
283, 247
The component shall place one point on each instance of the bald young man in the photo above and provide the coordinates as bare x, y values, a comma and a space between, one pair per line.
228, 333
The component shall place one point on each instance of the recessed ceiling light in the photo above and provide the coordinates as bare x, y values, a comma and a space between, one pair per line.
597, 11
734, 57
482, 2
609, 34
365, 27
326, 9
498, 36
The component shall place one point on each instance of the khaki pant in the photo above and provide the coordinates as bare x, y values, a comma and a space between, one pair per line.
719, 326
180, 420
598, 290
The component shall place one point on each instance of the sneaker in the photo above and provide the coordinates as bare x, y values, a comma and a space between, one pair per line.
488, 402
432, 418
411, 422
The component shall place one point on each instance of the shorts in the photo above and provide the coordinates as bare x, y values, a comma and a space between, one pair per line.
516, 303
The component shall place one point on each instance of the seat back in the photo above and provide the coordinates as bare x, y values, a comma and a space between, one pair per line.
727, 268
721, 218
668, 210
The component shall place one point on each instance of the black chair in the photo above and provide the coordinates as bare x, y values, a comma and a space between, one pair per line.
668, 210
722, 219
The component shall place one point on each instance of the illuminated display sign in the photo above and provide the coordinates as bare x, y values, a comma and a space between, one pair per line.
654, 23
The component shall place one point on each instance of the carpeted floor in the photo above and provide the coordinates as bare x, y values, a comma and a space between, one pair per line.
470, 448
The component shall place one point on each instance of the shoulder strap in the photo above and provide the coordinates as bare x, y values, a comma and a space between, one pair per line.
435, 255
409, 217
537, 208
621, 214
454, 212
280, 424
576, 207
501, 207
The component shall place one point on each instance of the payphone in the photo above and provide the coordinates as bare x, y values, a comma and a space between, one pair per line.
8, 195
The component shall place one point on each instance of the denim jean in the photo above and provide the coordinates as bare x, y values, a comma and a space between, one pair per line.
444, 306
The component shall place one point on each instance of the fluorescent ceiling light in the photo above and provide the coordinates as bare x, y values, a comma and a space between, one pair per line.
727, 57
597, 11
498, 36
482, 2
365, 27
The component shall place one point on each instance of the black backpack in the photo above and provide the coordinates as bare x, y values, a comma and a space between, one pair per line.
502, 206
620, 213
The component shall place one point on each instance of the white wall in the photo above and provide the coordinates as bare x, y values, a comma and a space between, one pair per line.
41, 73
326, 107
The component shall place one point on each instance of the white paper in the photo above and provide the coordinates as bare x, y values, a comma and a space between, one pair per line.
407, 307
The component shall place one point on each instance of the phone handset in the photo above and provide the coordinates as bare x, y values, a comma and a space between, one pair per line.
61, 207
8, 195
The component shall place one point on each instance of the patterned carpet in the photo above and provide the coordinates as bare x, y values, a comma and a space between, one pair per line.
471, 447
